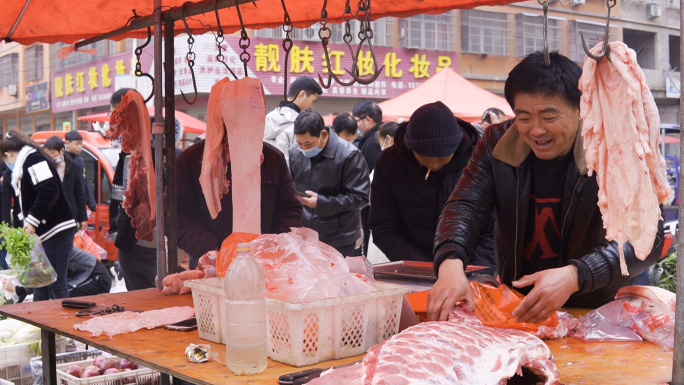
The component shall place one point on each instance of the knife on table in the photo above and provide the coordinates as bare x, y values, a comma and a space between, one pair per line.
304, 376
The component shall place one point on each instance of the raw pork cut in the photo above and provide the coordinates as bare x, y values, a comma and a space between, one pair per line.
128, 321
621, 129
216, 154
131, 121
244, 112
459, 351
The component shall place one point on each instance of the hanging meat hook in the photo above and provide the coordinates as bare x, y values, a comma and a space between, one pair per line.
545, 30
219, 42
287, 45
365, 35
190, 57
138, 66
324, 34
605, 50
244, 40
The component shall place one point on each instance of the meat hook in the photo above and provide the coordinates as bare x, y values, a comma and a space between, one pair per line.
365, 35
545, 31
219, 42
138, 66
324, 34
605, 50
190, 57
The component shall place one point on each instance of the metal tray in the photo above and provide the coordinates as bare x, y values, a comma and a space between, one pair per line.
413, 270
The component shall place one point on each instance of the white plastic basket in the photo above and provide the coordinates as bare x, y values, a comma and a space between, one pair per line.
301, 334
140, 376
15, 361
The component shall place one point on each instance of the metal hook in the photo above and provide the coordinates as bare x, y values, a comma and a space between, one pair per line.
365, 35
545, 31
605, 50
138, 66
287, 45
219, 41
190, 55
324, 42
244, 40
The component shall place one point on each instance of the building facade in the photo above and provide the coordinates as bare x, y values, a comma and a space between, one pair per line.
39, 91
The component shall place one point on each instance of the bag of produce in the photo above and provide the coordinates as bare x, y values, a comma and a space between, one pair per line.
27, 258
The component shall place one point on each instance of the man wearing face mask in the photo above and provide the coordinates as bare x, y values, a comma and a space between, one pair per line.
413, 180
331, 176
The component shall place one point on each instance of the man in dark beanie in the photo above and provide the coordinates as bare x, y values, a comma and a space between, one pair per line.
414, 179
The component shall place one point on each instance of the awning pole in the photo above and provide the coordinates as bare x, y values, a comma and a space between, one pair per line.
170, 103
678, 357
172, 14
159, 146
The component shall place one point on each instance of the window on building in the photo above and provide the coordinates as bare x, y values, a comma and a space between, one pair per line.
636, 40
486, 32
33, 63
427, 32
674, 53
383, 32
530, 34
593, 34
9, 69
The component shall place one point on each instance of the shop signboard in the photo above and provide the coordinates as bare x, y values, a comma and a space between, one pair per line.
403, 68
37, 97
89, 85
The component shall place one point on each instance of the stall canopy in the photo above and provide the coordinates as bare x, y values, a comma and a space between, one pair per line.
67, 21
466, 100
190, 125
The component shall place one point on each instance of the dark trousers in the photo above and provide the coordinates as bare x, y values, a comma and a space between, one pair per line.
99, 282
349, 251
139, 267
365, 215
57, 250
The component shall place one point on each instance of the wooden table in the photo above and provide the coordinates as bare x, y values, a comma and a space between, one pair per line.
579, 363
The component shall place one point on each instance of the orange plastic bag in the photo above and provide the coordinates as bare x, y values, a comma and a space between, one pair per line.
83, 241
228, 250
494, 306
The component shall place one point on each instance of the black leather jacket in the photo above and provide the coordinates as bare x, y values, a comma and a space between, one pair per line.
499, 177
339, 175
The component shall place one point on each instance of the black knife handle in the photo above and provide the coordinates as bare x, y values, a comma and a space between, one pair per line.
290, 378
74, 304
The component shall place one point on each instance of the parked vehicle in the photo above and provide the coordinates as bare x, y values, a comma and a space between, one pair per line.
100, 161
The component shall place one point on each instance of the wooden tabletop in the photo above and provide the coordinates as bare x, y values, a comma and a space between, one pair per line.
579, 363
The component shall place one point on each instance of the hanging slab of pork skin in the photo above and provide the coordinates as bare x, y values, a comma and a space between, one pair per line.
131, 121
216, 155
621, 130
244, 113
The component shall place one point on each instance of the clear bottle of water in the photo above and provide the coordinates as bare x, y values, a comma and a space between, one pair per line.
245, 314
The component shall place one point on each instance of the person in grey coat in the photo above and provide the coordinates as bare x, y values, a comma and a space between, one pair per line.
331, 176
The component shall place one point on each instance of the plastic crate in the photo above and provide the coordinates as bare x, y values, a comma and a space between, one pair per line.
140, 376
307, 333
5, 382
15, 361
62, 358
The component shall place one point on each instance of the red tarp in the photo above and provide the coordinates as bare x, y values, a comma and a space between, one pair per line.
51, 21
466, 100
190, 124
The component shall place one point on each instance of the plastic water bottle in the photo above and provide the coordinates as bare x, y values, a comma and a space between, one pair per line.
245, 314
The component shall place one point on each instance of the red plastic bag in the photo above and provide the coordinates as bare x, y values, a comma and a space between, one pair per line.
228, 250
83, 241
494, 306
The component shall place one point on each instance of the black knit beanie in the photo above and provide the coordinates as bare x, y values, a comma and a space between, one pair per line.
433, 131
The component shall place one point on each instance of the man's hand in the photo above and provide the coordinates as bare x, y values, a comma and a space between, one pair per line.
451, 287
309, 202
30, 230
552, 288
83, 226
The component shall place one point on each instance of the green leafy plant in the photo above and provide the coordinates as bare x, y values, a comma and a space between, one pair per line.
19, 245
668, 280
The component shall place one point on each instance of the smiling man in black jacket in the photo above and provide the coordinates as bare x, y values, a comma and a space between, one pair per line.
550, 241
414, 179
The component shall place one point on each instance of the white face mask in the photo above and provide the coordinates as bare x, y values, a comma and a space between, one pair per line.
58, 159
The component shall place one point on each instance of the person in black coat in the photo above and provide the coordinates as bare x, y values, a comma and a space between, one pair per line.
43, 206
334, 175
414, 179
72, 180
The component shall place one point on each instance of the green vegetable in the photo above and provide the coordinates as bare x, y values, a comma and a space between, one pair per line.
19, 244
668, 280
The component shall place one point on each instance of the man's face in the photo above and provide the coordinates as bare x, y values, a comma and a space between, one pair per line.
548, 124
75, 146
434, 163
364, 124
347, 136
307, 141
305, 101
